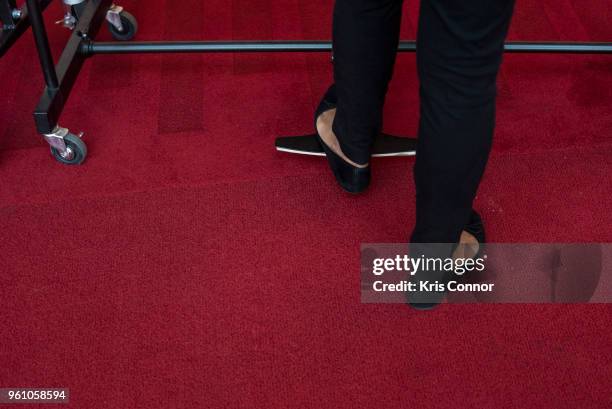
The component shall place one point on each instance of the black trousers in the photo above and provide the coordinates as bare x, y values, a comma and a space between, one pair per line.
459, 51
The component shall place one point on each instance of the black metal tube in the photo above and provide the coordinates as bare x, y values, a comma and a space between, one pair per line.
42, 44
205, 47
311, 46
558, 47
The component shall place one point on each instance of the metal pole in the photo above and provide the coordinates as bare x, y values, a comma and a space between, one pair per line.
558, 47
90, 48
42, 44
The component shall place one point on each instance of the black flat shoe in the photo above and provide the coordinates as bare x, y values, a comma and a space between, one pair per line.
351, 178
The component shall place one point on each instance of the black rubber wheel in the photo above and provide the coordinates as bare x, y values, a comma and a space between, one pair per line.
77, 146
130, 27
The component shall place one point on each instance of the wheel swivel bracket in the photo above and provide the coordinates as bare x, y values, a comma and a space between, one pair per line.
113, 16
56, 141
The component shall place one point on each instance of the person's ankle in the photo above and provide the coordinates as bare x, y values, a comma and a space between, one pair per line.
467, 247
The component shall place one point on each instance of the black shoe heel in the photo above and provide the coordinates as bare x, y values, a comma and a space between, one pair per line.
350, 178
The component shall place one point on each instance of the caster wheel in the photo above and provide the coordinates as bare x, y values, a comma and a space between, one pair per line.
130, 27
76, 153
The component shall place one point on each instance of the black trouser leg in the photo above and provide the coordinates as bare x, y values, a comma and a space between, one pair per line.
459, 51
365, 40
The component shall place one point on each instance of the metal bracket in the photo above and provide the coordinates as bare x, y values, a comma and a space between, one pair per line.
69, 21
56, 141
71, 17
113, 16
9, 14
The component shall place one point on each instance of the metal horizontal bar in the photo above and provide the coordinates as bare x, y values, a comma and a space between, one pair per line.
90, 48
558, 47
205, 47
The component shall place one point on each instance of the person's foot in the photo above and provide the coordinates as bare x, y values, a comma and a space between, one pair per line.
468, 246
472, 239
471, 243
353, 178
324, 128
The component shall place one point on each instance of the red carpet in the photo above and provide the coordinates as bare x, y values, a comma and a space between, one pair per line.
189, 265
